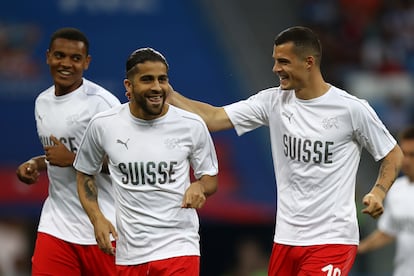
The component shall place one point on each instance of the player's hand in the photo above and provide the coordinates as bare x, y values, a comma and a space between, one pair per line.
194, 196
27, 172
169, 92
58, 154
103, 230
374, 205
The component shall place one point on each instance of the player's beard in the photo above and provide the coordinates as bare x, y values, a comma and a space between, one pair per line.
149, 108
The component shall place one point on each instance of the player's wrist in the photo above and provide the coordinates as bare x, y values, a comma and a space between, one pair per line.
35, 163
379, 191
381, 187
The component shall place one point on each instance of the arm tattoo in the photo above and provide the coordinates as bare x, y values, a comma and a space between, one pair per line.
382, 172
90, 189
384, 168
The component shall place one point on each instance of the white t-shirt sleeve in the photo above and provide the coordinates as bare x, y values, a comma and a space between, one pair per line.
249, 114
90, 153
203, 159
371, 132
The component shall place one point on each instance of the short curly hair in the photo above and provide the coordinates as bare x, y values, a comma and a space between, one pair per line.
71, 34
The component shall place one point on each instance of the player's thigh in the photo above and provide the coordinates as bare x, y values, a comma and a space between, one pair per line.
95, 262
183, 265
177, 266
132, 270
328, 260
282, 260
53, 256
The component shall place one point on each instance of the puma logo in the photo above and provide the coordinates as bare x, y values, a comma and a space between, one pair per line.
287, 115
123, 143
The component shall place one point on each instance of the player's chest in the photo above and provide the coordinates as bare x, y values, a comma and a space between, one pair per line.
147, 144
314, 123
63, 118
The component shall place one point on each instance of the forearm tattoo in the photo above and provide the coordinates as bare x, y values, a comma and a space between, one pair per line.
90, 189
386, 168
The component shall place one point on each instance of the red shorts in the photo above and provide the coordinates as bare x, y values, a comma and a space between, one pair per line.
324, 260
177, 266
53, 256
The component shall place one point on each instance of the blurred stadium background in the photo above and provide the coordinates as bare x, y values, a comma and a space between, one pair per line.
219, 52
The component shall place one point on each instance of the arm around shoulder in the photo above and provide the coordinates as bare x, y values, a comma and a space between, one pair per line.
215, 117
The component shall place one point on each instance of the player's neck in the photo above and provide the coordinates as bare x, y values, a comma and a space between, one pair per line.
313, 89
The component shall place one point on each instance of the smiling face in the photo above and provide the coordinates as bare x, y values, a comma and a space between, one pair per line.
146, 90
67, 59
291, 68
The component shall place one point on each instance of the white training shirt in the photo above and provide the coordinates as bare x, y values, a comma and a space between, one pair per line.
66, 117
150, 164
316, 147
398, 221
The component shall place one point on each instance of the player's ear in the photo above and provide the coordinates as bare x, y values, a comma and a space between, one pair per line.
47, 56
128, 88
310, 61
87, 62
128, 95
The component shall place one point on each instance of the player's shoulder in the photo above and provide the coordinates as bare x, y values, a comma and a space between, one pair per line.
346, 96
46, 93
93, 89
186, 116
184, 113
108, 115
98, 94
354, 104
268, 96
45, 98
113, 111
272, 92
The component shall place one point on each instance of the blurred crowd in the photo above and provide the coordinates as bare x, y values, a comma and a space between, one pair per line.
375, 35
370, 38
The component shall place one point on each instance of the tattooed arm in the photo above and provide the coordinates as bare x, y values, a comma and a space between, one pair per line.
388, 172
88, 196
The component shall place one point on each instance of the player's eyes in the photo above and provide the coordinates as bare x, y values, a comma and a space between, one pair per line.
58, 55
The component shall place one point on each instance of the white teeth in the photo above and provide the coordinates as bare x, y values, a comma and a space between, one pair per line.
155, 98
